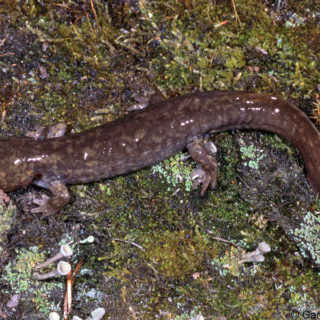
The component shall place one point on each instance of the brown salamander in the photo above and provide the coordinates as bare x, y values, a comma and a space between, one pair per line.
145, 137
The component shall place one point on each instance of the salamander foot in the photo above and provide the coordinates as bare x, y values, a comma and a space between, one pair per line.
50, 205
44, 206
206, 172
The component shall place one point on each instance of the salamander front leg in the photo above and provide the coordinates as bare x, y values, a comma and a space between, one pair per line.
50, 205
202, 152
145, 101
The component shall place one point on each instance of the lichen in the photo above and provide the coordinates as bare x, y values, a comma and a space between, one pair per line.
193, 315
175, 171
252, 155
18, 278
307, 236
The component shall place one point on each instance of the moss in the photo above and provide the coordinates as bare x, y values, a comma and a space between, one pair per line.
316, 112
7, 214
177, 254
219, 60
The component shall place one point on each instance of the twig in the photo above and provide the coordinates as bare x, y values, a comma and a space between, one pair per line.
68, 297
7, 54
94, 13
130, 242
236, 13
221, 239
76, 270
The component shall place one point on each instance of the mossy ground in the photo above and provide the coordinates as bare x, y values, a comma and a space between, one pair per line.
158, 252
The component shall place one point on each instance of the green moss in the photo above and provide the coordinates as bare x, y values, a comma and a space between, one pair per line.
316, 112
219, 60
277, 142
177, 254
7, 214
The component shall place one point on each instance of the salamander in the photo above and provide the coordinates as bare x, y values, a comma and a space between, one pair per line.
143, 138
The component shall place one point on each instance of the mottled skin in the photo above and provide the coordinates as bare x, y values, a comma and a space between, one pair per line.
145, 137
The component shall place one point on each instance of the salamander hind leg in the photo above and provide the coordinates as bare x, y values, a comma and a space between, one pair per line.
50, 205
202, 152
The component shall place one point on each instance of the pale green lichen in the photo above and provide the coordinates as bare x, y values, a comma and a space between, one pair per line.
193, 315
18, 277
308, 236
175, 171
252, 155
228, 264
